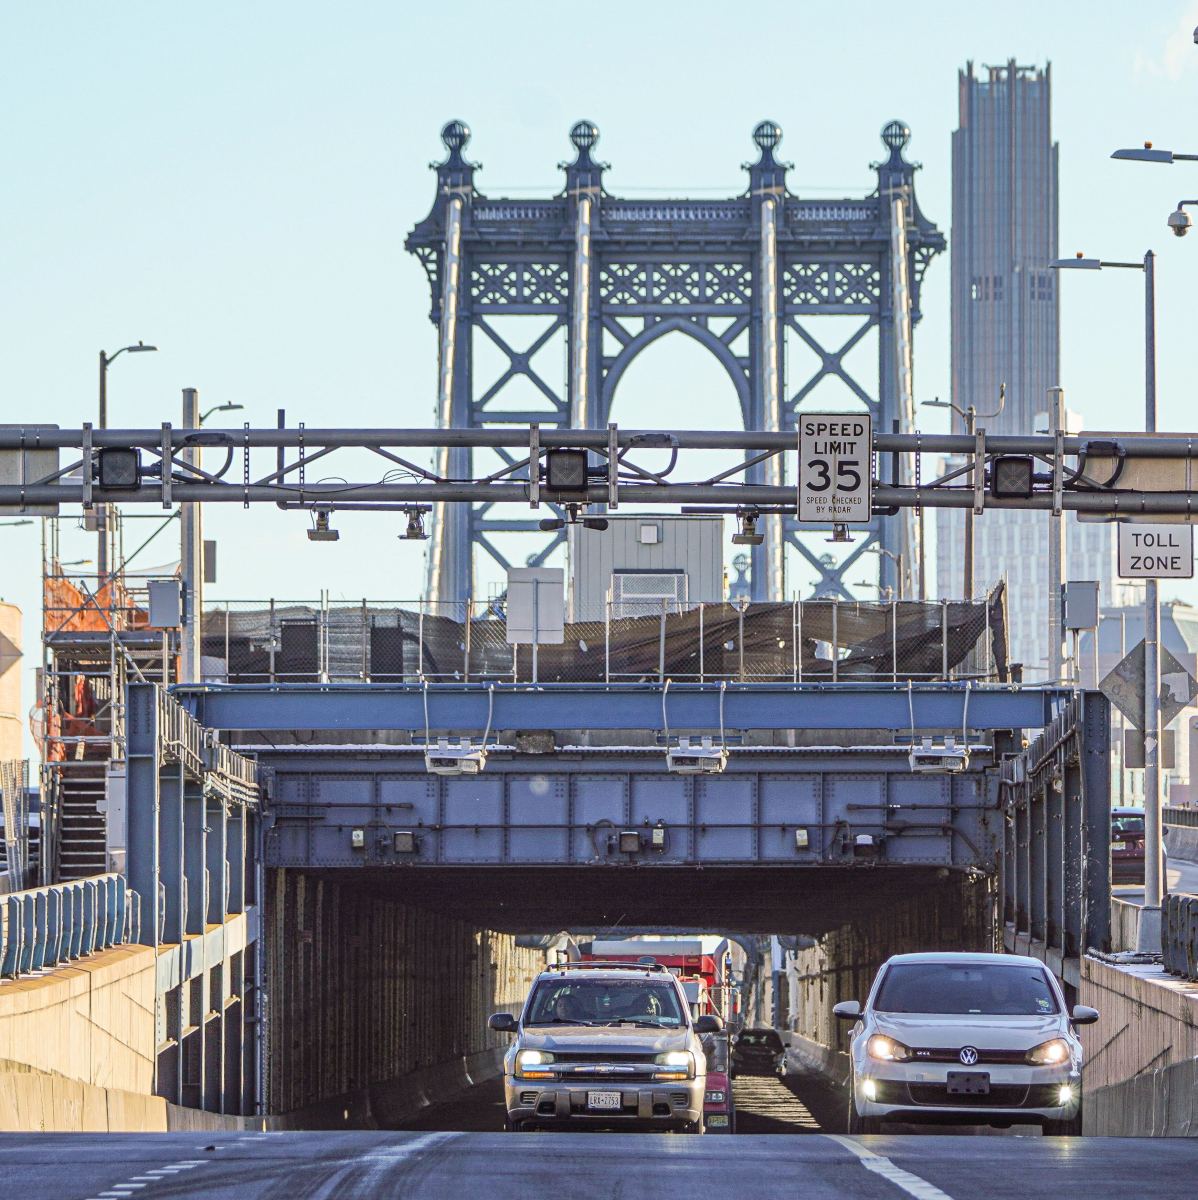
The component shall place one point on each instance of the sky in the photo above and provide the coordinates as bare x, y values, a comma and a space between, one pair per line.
233, 182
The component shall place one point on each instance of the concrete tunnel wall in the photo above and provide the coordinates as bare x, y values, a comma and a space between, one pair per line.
957, 913
366, 993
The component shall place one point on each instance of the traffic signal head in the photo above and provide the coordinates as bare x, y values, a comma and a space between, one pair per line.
118, 467
1011, 477
566, 474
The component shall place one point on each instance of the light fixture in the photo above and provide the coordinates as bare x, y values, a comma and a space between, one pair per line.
1148, 153
747, 533
701, 757
565, 474
460, 758
1011, 477
415, 530
938, 758
220, 408
630, 841
320, 531
840, 533
118, 467
573, 517
404, 842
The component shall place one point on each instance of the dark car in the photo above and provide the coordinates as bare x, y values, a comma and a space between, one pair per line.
1127, 845
758, 1052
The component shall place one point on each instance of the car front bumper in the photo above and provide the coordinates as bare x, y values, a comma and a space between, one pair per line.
920, 1093
650, 1103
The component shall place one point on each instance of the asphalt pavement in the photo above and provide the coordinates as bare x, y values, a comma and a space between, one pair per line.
366, 1166
1181, 876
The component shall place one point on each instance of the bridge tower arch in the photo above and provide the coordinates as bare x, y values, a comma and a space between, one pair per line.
608, 277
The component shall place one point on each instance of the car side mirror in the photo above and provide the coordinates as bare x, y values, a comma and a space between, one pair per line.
847, 1010
1083, 1014
708, 1023
503, 1023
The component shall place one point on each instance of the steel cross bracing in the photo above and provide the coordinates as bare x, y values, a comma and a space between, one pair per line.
604, 278
1066, 480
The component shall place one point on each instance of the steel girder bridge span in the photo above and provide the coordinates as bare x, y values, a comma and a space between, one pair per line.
576, 818
390, 894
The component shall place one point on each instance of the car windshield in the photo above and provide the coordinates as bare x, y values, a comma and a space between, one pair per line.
605, 1002
715, 1047
1129, 824
989, 989
760, 1037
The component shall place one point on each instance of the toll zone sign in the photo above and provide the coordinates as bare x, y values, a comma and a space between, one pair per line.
1156, 551
835, 477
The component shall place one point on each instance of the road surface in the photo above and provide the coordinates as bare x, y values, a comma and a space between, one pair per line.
432, 1166
1182, 876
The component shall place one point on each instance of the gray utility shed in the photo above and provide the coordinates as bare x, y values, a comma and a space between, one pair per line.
643, 562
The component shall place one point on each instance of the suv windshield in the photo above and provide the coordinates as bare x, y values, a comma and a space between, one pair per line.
991, 989
1130, 823
605, 1002
760, 1037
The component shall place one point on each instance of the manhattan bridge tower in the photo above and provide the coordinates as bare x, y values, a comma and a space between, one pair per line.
606, 277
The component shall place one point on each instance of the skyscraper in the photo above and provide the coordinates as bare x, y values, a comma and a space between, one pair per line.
1005, 329
1005, 317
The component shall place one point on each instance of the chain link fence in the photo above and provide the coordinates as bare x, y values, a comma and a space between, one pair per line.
810, 641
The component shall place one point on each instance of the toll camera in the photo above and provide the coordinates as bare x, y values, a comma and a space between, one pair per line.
696, 758
1179, 222
458, 759
933, 758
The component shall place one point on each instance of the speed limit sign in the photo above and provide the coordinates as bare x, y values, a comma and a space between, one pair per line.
835, 456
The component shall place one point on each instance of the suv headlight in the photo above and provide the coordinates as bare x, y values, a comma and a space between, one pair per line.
1049, 1054
887, 1049
533, 1064
676, 1064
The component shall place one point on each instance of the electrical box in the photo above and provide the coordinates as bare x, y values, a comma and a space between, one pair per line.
166, 603
209, 560
536, 605
1079, 604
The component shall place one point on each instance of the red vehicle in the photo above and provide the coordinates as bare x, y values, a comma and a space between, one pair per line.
1127, 845
719, 1109
686, 958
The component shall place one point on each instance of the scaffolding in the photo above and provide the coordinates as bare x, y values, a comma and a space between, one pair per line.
96, 639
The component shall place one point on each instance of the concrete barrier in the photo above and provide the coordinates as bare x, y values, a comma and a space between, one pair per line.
1181, 841
397, 1101
92, 1021
1161, 1103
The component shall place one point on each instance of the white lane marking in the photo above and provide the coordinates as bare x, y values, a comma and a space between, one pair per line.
128, 1189
401, 1150
921, 1189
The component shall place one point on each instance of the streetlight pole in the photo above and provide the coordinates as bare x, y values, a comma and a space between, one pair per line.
106, 360
1154, 882
969, 417
1154, 874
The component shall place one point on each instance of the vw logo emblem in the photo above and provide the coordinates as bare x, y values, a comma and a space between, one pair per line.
968, 1056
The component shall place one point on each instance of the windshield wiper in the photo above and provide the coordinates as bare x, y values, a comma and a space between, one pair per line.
641, 1022
562, 1021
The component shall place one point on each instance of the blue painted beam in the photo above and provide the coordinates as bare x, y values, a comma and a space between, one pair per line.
470, 708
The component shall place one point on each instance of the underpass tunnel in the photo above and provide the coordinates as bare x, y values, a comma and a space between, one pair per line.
379, 984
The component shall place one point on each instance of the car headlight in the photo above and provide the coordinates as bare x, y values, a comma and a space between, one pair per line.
533, 1064
714, 1098
887, 1049
1049, 1054
676, 1064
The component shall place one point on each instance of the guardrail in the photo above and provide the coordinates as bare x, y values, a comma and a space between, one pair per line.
1182, 816
636, 639
1179, 936
44, 927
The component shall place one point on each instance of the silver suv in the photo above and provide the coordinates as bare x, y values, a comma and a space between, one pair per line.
605, 1044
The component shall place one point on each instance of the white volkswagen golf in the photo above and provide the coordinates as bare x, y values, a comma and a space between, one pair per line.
965, 1039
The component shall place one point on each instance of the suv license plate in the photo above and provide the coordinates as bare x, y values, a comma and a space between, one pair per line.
604, 1101
969, 1083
